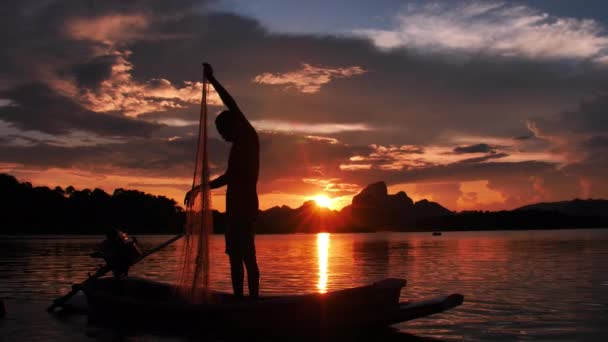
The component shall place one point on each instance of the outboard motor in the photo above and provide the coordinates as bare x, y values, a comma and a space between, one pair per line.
119, 251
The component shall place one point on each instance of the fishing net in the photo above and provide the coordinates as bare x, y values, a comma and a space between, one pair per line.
194, 276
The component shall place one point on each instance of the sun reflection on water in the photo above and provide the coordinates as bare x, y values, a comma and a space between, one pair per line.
322, 255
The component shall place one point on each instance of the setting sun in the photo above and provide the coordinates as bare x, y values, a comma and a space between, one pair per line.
323, 201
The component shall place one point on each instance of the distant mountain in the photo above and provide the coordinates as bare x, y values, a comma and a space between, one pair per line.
577, 207
308, 218
373, 206
372, 209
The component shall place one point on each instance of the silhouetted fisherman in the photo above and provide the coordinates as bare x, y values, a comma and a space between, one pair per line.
241, 196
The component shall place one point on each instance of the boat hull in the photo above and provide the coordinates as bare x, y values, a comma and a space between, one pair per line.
138, 303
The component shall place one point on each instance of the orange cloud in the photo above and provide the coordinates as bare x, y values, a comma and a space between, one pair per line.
317, 128
333, 185
355, 167
471, 195
476, 195
110, 29
120, 92
322, 139
309, 79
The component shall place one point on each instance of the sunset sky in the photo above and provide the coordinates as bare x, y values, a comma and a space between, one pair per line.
473, 104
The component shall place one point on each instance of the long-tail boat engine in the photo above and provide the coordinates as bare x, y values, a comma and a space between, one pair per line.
119, 251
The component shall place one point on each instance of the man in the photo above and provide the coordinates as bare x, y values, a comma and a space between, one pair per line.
241, 196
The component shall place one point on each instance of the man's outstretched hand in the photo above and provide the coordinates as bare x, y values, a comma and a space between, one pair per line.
191, 195
207, 70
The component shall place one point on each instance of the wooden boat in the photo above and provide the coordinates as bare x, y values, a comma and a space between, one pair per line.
140, 303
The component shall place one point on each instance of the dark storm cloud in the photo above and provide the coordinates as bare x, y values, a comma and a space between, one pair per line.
580, 135
590, 116
478, 148
578, 132
90, 74
37, 107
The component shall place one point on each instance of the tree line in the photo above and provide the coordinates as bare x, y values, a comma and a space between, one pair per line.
41, 210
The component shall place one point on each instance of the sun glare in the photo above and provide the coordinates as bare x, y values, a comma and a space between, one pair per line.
323, 201
323, 256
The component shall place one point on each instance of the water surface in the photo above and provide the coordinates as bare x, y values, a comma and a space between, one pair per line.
525, 285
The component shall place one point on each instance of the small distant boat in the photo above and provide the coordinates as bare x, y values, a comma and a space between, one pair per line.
437, 234
140, 303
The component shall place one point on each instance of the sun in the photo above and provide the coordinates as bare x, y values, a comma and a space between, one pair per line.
323, 201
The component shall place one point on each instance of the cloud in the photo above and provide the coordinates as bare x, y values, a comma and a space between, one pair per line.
309, 128
12, 136
82, 53
574, 134
106, 84
484, 158
494, 28
477, 148
455, 195
324, 139
309, 79
108, 29
290, 155
402, 91
92, 73
355, 167
580, 137
38, 107
447, 194
334, 186
113, 88
408, 157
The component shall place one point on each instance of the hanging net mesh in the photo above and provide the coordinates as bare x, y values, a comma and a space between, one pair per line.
194, 276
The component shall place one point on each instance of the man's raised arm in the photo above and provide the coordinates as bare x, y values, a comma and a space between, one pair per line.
222, 92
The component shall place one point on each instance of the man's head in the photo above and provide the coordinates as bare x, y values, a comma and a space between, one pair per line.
227, 126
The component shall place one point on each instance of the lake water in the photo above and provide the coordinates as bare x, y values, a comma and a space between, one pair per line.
524, 285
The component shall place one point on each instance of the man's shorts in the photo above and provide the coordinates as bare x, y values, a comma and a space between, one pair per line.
240, 239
